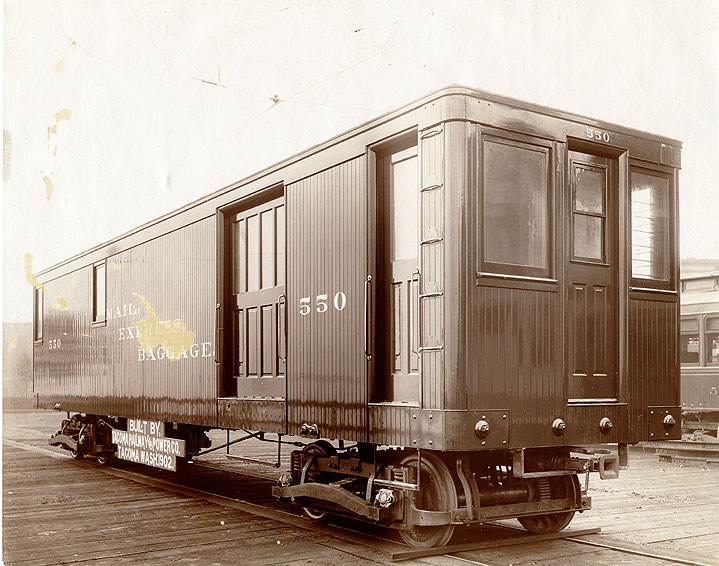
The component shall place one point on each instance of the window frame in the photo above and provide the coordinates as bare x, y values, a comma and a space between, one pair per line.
602, 216
656, 170
697, 333
705, 342
94, 320
492, 269
38, 307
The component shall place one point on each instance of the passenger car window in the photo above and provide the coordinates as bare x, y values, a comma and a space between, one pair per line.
689, 341
711, 340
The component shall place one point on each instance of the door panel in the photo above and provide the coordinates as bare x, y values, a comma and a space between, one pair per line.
592, 327
257, 296
397, 366
404, 366
327, 268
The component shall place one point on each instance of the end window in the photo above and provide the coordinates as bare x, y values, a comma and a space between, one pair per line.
37, 314
516, 194
651, 211
589, 180
98, 293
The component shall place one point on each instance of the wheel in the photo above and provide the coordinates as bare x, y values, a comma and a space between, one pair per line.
561, 487
76, 454
105, 459
437, 493
320, 448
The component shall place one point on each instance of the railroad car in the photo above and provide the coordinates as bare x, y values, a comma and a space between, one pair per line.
445, 307
699, 356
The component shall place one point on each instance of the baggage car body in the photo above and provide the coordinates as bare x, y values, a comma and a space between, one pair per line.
467, 290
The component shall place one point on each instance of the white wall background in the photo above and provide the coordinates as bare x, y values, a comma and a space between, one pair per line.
145, 134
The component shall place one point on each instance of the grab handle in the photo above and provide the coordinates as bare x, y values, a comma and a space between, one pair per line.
219, 331
367, 304
282, 302
416, 276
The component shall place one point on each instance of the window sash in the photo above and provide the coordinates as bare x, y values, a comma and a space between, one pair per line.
711, 348
652, 230
37, 319
529, 203
690, 325
689, 349
99, 293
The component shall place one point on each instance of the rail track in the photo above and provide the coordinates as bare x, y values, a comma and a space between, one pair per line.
453, 550
488, 545
689, 452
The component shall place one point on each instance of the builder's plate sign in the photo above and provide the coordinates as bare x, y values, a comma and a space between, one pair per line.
144, 442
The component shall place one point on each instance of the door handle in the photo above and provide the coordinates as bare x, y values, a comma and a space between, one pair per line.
367, 301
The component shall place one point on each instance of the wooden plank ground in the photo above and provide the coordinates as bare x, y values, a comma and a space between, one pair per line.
654, 506
56, 511
665, 506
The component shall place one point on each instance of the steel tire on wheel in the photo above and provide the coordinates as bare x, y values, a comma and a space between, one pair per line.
562, 486
320, 448
437, 493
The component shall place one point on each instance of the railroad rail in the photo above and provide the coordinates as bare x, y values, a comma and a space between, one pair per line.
688, 452
216, 484
571, 536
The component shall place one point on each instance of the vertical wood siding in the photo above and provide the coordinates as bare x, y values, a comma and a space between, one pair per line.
390, 424
74, 374
515, 361
326, 254
98, 368
653, 359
